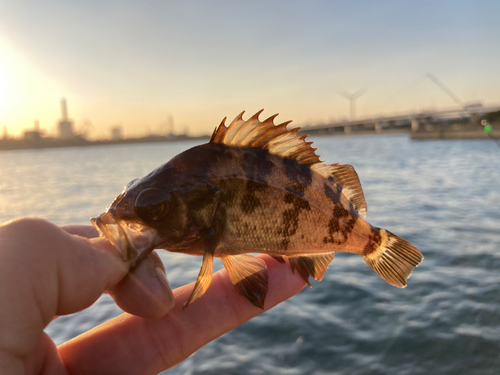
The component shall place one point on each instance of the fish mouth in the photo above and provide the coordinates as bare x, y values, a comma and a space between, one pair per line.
132, 240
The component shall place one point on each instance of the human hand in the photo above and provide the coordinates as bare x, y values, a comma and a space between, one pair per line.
46, 271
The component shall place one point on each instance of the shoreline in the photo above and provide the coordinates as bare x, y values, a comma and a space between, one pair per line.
42, 143
441, 134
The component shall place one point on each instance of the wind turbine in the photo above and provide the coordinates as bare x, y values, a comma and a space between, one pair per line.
352, 100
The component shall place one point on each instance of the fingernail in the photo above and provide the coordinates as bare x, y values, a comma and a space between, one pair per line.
162, 277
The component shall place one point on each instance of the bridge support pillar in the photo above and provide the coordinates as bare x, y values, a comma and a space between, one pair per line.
347, 129
378, 127
414, 124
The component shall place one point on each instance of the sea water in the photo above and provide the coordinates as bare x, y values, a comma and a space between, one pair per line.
442, 196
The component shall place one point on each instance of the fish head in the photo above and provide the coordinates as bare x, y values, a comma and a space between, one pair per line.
134, 222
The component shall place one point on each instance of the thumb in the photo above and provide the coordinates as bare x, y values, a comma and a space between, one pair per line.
45, 271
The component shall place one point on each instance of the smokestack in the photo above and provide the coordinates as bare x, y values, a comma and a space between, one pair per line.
64, 109
65, 125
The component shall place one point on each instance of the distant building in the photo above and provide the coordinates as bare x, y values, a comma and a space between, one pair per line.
33, 135
5, 134
65, 125
66, 130
116, 133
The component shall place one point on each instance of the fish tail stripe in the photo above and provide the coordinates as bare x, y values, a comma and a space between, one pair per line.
400, 259
406, 251
393, 259
414, 261
392, 269
388, 272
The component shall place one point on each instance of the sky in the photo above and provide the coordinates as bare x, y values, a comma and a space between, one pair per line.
138, 63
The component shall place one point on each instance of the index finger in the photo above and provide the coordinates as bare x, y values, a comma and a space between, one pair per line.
133, 345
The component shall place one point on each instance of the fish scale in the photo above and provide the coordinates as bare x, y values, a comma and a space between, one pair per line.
255, 187
283, 223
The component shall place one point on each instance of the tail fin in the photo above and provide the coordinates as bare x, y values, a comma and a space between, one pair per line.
394, 259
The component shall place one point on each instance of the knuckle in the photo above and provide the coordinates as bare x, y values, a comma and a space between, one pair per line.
30, 234
33, 225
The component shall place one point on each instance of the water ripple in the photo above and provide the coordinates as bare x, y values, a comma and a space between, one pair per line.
441, 196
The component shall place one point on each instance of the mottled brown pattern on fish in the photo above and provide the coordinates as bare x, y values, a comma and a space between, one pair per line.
291, 218
257, 166
180, 228
373, 242
283, 223
250, 201
331, 223
338, 234
255, 187
298, 175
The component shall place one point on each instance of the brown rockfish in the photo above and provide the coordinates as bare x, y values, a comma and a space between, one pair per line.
255, 187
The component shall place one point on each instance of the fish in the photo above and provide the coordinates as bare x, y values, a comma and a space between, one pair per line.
255, 187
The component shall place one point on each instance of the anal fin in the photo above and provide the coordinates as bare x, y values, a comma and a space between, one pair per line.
279, 258
314, 265
249, 275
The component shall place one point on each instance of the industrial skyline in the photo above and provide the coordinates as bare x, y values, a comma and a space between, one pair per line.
136, 64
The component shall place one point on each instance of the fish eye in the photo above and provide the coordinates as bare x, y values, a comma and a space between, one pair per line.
152, 204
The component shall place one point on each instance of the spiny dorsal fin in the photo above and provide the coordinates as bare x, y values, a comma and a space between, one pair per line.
286, 143
275, 138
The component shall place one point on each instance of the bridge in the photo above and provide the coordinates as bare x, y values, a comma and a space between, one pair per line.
466, 119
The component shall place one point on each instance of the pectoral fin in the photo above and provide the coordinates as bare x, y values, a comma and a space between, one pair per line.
205, 275
249, 276
311, 265
213, 237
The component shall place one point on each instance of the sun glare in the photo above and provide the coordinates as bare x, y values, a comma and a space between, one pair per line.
26, 92
10, 70
5, 84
